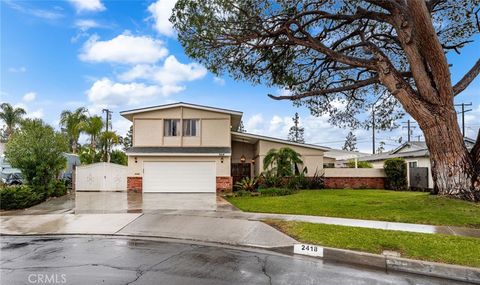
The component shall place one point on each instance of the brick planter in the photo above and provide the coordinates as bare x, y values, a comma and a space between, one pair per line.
224, 184
134, 184
355, 182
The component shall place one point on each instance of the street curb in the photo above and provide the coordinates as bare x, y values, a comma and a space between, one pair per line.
376, 261
392, 263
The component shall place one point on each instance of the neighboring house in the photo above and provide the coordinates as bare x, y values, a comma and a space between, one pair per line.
416, 155
183, 147
2, 148
337, 158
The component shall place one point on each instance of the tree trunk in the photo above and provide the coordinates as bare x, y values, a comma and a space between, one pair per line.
74, 147
453, 169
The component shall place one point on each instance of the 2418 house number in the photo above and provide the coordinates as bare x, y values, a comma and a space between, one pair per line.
308, 249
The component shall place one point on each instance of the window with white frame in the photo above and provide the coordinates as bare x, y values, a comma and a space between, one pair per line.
413, 164
171, 128
191, 127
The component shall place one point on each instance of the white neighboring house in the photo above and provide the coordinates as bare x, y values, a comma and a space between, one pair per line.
339, 158
415, 153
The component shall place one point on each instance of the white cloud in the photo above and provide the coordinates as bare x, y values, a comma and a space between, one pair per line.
86, 24
29, 97
39, 13
170, 75
124, 48
254, 122
87, 5
219, 81
37, 114
161, 12
17, 69
105, 92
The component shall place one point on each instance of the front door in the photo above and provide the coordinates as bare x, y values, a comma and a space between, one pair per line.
240, 171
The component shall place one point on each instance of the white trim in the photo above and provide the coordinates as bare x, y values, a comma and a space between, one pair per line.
178, 154
280, 141
180, 104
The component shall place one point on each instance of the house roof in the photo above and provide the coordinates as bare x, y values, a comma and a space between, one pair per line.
137, 150
271, 139
340, 154
390, 154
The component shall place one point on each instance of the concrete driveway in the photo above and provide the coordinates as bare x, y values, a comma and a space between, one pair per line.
123, 202
87, 260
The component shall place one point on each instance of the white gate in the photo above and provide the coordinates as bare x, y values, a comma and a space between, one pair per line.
101, 176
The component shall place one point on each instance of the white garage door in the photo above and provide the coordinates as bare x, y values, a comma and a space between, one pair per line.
179, 177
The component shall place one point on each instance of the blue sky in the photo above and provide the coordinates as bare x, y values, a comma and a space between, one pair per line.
58, 55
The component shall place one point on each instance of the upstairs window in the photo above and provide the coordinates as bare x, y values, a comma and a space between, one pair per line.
191, 127
171, 128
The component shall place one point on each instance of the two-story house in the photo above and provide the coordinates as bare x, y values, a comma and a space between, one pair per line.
184, 147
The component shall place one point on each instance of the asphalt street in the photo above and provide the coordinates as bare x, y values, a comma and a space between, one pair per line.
101, 260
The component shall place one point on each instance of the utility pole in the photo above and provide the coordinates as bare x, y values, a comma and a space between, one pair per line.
373, 129
409, 127
463, 115
108, 115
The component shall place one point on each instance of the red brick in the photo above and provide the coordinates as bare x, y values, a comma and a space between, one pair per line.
354, 182
134, 184
224, 184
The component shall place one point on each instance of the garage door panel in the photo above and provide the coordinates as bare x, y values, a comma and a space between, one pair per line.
179, 177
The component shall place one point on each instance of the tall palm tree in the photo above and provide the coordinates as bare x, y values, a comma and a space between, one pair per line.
282, 161
93, 127
108, 139
72, 123
11, 116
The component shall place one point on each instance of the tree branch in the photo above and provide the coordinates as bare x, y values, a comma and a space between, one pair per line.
467, 78
359, 84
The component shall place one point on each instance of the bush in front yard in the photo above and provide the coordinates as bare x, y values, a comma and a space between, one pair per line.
277, 192
18, 197
396, 171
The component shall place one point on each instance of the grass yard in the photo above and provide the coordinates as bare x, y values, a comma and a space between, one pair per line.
431, 247
395, 206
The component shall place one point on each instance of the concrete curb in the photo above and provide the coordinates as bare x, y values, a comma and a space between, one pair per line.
391, 263
380, 262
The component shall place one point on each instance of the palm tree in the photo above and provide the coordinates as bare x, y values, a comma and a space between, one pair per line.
108, 139
93, 127
11, 116
72, 123
282, 161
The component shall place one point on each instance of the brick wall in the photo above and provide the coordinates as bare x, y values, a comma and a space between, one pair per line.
224, 184
355, 182
134, 184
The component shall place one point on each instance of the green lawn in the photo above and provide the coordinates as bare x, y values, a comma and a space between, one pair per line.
407, 207
431, 247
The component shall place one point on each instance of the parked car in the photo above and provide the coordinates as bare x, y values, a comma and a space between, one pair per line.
13, 178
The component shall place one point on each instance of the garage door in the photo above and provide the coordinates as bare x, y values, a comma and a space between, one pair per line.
179, 177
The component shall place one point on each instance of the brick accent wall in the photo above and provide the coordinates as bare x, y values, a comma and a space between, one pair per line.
134, 184
355, 182
224, 184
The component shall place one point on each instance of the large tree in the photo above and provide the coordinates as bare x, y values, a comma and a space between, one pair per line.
93, 127
347, 57
72, 124
295, 134
350, 142
12, 117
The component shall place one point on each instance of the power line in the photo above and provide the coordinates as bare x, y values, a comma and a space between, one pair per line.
463, 115
409, 127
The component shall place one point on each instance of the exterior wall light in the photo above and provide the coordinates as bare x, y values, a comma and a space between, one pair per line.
243, 159
135, 159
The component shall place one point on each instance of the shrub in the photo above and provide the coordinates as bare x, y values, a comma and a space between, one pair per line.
268, 179
18, 197
58, 188
277, 192
317, 181
360, 164
396, 171
37, 150
298, 182
242, 193
247, 184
